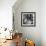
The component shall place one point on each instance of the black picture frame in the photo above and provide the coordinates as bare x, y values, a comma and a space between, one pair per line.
28, 19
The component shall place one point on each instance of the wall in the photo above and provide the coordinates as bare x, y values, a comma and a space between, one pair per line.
33, 33
6, 13
6, 18
43, 22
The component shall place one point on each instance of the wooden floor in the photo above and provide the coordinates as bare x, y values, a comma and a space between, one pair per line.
9, 43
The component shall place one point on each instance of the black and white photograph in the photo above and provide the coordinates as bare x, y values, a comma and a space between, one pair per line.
28, 19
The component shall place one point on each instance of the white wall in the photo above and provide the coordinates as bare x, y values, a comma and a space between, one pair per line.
6, 13
29, 32
34, 33
43, 22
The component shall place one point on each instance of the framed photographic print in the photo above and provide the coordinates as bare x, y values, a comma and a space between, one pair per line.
28, 19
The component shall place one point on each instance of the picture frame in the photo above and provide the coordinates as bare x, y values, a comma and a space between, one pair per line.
13, 22
28, 19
